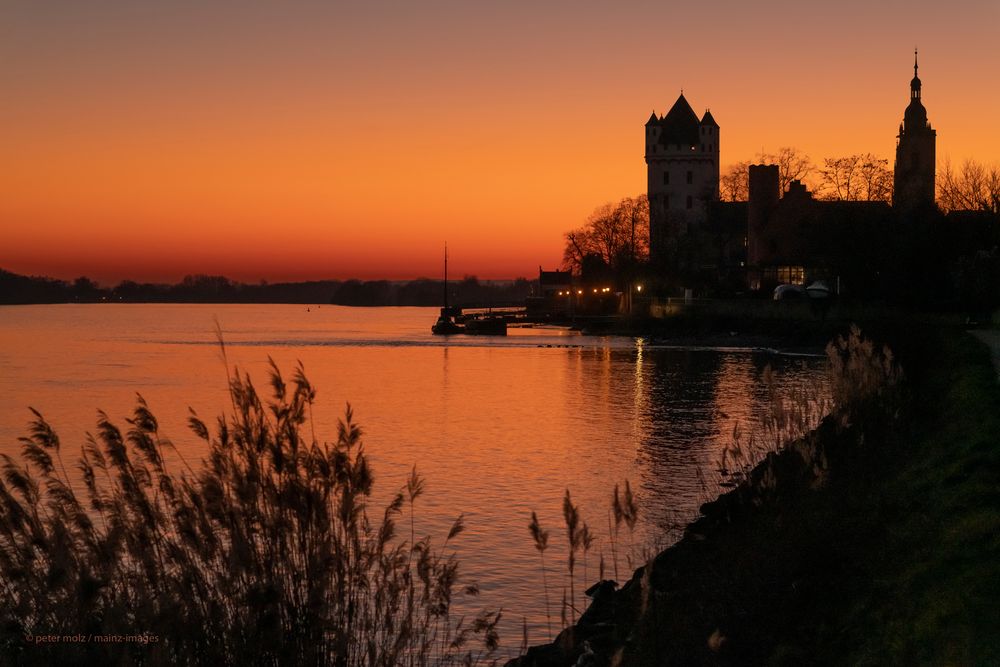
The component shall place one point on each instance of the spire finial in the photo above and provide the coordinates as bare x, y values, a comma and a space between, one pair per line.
914, 61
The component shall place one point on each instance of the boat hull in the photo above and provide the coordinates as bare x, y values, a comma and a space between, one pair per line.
445, 327
487, 326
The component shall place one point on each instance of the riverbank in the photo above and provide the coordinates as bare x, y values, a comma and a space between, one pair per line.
792, 326
875, 541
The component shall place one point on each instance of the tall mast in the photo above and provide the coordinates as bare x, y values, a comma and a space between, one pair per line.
446, 275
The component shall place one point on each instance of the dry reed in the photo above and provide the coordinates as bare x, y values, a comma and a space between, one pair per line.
266, 555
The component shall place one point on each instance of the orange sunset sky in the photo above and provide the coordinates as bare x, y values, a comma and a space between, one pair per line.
308, 140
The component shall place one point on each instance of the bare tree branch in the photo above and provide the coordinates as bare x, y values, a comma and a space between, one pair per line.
859, 177
793, 165
975, 187
617, 233
734, 184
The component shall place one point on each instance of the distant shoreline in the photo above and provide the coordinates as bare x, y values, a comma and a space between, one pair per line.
33, 290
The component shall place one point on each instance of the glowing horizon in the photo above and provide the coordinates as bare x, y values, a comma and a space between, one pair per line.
312, 142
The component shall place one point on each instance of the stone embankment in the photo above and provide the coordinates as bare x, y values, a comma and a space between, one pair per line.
873, 540
681, 594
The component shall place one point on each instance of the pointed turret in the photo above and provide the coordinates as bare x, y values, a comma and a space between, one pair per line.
653, 120
915, 81
915, 115
680, 125
708, 120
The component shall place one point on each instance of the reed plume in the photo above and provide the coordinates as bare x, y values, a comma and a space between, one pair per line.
571, 515
541, 539
268, 553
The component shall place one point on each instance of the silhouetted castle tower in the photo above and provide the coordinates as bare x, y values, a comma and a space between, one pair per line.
682, 159
915, 159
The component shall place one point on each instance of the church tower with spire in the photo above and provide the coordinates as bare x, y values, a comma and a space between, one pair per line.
682, 174
915, 158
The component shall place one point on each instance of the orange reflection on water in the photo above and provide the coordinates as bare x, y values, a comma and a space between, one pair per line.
499, 427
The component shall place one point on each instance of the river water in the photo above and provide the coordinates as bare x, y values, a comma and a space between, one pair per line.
498, 427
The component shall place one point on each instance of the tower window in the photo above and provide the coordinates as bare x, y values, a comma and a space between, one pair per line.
703, 148
690, 179
690, 202
666, 178
666, 201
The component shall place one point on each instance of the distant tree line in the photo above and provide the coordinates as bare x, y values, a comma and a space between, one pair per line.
18, 289
469, 291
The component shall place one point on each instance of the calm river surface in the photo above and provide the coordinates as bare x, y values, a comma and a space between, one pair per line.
497, 426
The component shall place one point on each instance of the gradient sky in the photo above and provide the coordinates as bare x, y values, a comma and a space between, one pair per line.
306, 140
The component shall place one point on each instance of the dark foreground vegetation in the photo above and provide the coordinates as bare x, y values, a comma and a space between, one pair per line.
874, 540
18, 289
268, 553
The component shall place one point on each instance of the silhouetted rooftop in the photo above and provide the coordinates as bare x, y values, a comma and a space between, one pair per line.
915, 115
680, 125
708, 119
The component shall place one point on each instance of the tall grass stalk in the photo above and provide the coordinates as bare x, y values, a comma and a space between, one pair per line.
414, 489
571, 515
586, 542
541, 540
612, 537
266, 554
625, 509
580, 537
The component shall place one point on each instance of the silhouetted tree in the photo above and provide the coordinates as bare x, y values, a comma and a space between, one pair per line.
974, 187
793, 165
734, 183
616, 233
859, 177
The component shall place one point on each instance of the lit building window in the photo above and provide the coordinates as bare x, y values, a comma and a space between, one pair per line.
791, 275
